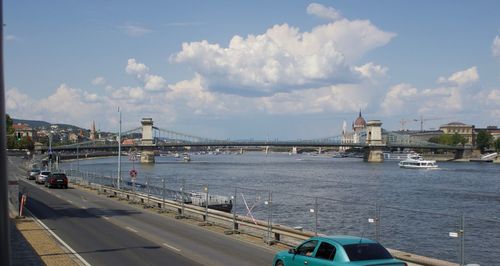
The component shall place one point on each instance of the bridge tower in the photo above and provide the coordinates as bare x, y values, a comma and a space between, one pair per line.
147, 153
373, 153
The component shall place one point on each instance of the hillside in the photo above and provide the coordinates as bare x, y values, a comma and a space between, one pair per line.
36, 124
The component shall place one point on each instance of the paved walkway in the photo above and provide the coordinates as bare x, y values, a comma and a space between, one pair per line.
22, 252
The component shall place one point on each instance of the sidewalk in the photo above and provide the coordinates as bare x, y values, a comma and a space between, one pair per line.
32, 245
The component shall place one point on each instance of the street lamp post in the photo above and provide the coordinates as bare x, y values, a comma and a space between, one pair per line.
119, 151
50, 151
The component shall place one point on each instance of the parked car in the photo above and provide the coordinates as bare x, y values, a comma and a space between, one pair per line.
33, 173
57, 180
338, 251
42, 177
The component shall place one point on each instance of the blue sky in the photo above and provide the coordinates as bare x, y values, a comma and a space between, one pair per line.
253, 69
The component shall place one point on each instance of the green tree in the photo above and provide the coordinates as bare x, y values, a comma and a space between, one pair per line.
484, 140
497, 144
458, 139
10, 129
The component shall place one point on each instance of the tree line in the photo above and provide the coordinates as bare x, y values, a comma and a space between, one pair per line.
484, 140
15, 142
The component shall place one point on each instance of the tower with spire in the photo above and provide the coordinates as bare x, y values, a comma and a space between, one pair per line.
93, 133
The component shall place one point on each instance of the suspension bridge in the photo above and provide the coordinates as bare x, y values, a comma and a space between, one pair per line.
148, 138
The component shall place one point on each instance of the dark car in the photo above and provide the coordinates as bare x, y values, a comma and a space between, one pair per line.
57, 180
33, 173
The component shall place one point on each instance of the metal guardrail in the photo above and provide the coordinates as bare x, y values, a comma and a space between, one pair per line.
268, 231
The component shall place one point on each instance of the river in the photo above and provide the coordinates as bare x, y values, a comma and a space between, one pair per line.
417, 209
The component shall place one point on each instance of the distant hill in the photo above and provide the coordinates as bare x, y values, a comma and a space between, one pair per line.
36, 124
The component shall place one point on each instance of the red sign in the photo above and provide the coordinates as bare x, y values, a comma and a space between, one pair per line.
133, 173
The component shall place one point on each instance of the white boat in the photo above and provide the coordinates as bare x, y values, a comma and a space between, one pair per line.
417, 162
187, 158
398, 156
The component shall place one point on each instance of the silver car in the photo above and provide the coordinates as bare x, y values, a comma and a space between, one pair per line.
33, 173
42, 177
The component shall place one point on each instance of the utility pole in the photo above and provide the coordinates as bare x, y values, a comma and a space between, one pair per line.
118, 177
4, 191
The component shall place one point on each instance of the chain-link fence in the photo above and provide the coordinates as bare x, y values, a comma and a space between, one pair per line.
454, 238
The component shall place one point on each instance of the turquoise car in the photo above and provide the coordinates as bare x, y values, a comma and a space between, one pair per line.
337, 251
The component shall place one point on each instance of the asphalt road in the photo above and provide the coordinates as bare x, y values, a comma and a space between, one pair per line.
106, 232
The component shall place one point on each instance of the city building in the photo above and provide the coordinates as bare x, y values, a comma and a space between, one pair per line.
462, 129
23, 130
358, 129
93, 133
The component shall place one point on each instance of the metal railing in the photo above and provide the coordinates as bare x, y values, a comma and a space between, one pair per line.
289, 218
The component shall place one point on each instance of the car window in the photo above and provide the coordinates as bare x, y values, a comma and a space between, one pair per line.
59, 175
45, 173
307, 248
366, 251
326, 251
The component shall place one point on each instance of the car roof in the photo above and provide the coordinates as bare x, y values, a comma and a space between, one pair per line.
347, 240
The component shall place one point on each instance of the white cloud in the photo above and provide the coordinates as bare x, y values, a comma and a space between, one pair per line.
371, 71
154, 83
495, 46
284, 59
461, 78
446, 98
398, 97
134, 30
11, 38
99, 81
494, 97
135, 68
323, 12
140, 70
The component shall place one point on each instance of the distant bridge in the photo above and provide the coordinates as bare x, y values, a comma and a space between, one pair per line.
159, 138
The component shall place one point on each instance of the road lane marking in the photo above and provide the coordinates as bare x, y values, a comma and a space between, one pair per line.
171, 247
131, 229
83, 207
73, 252
105, 218
70, 201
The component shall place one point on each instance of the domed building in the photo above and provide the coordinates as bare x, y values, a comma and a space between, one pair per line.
359, 124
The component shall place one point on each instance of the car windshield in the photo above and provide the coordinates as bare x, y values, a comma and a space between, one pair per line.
35, 171
45, 173
366, 251
59, 175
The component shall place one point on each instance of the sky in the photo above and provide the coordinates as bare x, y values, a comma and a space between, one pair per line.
253, 69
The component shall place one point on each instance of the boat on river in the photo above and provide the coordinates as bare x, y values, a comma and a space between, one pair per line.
399, 156
417, 162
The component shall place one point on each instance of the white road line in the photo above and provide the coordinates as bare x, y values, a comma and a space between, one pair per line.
83, 207
105, 218
82, 260
171, 247
70, 201
131, 229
